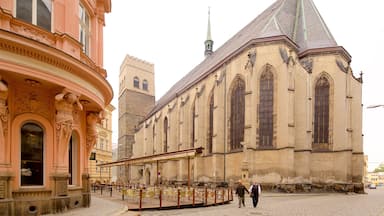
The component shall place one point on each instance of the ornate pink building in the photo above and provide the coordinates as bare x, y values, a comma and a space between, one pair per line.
53, 89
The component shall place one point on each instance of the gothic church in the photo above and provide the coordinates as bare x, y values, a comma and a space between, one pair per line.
278, 104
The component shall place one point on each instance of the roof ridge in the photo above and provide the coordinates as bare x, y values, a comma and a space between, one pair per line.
289, 18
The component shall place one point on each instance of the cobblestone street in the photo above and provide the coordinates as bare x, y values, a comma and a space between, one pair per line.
271, 204
371, 204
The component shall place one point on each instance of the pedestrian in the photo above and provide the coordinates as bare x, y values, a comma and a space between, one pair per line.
255, 192
240, 191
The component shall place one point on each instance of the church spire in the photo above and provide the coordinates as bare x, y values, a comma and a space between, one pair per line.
208, 42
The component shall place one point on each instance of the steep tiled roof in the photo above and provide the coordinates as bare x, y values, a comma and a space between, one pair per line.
298, 20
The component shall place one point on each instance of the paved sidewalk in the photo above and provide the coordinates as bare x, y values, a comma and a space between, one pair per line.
99, 206
270, 204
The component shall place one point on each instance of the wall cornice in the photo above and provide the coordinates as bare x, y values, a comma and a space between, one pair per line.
18, 45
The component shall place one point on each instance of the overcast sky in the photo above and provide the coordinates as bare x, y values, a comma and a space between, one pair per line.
171, 33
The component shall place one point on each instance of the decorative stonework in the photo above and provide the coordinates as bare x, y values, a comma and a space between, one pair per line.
307, 64
92, 119
251, 59
28, 100
157, 116
341, 66
171, 107
184, 100
3, 111
65, 103
200, 90
221, 74
33, 32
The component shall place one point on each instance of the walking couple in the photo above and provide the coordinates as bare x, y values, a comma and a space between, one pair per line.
254, 191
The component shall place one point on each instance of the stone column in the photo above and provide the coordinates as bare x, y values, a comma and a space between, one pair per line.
60, 201
244, 164
86, 190
4, 145
65, 103
91, 138
6, 201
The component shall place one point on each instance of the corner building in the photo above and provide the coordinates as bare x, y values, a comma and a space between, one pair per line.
53, 90
278, 104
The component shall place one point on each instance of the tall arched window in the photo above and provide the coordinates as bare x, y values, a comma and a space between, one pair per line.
32, 155
321, 124
193, 123
153, 138
136, 82
165, 134
145, 85
210, 128
237, 114
266, 109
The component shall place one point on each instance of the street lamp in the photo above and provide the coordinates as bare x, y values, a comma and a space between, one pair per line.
375, 106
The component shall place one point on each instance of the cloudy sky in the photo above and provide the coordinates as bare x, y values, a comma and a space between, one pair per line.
171, 33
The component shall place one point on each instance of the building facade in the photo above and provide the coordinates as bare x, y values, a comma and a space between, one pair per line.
136, 99
53, 89
102, 151
278, 104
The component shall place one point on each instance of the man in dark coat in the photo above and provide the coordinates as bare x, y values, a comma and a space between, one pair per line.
240, 191
255, 191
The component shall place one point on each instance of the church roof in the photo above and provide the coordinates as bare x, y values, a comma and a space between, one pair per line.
297, 20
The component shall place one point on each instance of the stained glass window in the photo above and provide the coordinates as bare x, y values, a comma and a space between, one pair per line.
193, 122
237, 114
321, 121
210, 128
266, 109
165, 134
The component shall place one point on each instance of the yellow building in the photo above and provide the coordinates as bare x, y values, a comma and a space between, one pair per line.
375, 178
102, 152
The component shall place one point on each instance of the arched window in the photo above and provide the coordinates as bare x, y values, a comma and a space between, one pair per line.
321, 124
145, 85
266, 109
210, 128
193, 123
165, 134
37, 12
153, 138
237, 114
136, 82
32, 155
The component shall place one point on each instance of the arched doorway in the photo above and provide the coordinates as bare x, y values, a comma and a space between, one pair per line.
73, 159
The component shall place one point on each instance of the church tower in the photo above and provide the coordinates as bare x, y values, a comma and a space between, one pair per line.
208, 42
136, 99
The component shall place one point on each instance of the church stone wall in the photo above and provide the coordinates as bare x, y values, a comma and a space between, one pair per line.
292, 161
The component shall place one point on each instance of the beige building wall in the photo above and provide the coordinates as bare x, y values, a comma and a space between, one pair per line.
293, 159
103, 149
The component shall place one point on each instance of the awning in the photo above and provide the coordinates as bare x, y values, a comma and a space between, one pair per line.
187, 153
